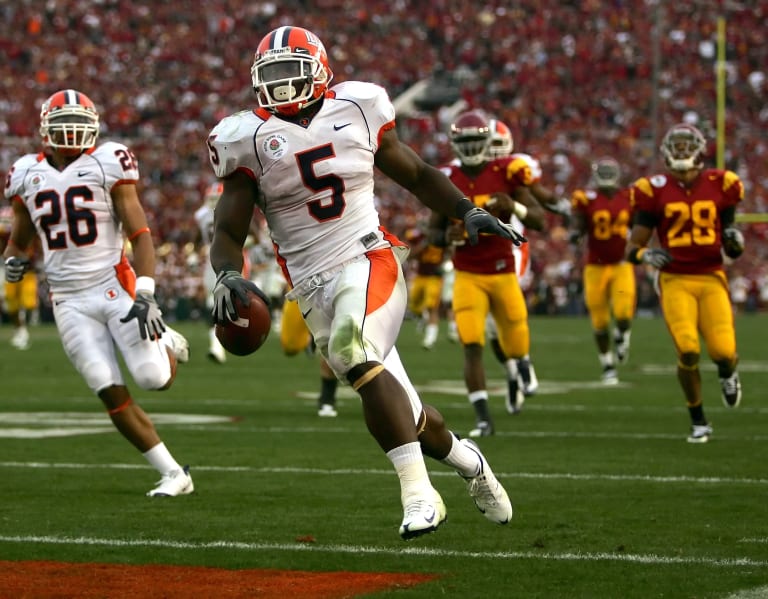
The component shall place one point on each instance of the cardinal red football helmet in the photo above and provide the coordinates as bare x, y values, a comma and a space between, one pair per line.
69, 122
471, 138
290, 70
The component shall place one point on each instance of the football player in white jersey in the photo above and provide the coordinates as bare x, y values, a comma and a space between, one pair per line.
204, 219
81, 200
306, 155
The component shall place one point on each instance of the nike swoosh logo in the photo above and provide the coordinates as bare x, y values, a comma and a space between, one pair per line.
338, 127
431, 517
305, 314
82, 174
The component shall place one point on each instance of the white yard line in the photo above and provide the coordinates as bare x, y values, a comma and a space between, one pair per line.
705, 480
645, 559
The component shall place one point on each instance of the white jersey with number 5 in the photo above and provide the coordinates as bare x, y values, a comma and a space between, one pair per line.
316, 176
73, 212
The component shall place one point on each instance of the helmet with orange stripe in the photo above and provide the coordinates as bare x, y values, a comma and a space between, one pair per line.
290, 70
69, 122
501, 139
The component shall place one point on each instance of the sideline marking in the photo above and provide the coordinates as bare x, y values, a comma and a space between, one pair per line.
650, 558
707, 480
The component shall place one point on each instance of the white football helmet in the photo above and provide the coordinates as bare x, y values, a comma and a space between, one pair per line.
69, 122
606, 173
683, 148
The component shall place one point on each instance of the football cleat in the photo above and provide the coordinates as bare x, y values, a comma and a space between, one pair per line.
621, 347
327, 410
700, 433
175, 482
515, 397
178, 344
482, 429
216, 351
422, 515
486, 491
610, 376
528, 377
20, 339
731, 390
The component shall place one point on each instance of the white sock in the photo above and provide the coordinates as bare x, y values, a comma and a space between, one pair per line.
511, 366
411, 470
161, 459
606, 359
478, 395
462, 459
430, 334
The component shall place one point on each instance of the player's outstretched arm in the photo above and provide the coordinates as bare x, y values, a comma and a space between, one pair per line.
435, 190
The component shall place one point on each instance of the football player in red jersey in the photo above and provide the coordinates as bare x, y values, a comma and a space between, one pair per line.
486, 281
306, 155
693, 212
81, 200
426, 286
603, 214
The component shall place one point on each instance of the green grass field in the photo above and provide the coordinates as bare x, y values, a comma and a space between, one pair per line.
610, 501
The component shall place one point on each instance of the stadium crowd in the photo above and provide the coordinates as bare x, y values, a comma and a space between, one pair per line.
574, 80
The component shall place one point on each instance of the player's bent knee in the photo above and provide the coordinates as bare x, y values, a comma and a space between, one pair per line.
97, 375
688, 360
151, 376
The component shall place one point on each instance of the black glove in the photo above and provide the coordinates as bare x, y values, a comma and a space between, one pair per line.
657, 258
15, 268
477, 220
733, 242
231, 282
146, 311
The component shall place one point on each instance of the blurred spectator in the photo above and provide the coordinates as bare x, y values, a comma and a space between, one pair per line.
573, 79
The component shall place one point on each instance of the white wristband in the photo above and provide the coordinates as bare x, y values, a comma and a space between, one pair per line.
520, 210
145, 284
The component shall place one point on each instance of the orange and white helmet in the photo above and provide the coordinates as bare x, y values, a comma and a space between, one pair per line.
69, 122
471, 138
290, 70
501, 140
213, 193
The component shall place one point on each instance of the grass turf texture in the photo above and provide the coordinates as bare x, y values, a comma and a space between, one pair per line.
610, 501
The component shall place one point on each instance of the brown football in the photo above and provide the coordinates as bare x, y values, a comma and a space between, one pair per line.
249, 332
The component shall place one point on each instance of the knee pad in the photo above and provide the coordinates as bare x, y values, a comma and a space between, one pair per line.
151, 375
98, 376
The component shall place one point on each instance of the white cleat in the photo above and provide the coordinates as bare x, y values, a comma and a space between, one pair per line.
422, 515
610, 376
326, 410
486, 491
20, 339
731, 390
515, 397
176, 482
178, 344
700, 433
